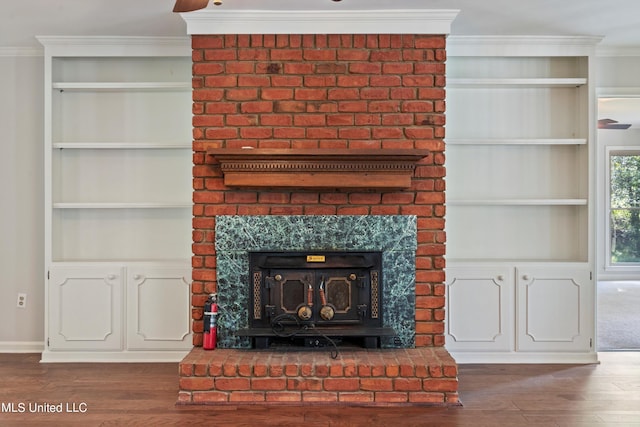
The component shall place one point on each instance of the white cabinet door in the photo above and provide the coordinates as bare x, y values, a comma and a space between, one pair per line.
158, 308
555, 308
85, 308
480, 312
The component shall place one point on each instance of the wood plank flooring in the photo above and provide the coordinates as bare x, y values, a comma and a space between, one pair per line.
605, 394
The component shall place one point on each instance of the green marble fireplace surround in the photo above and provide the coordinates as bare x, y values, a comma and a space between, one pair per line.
393, 235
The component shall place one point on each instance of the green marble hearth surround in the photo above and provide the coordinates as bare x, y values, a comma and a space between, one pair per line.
393, 235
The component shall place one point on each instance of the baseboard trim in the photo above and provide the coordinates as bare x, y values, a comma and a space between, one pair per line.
21, 346
465, 358
113, 357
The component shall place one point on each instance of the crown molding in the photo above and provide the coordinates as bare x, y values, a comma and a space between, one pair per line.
527, 45
391, 21
20, 51
115, 45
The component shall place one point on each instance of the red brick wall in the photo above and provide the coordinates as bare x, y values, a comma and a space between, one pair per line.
322, 91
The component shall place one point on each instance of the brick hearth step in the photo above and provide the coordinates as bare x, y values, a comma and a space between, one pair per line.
418, 376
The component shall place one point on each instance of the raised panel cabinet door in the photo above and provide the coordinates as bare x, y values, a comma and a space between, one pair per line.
85, 308
479, 308
158, 308
555, 309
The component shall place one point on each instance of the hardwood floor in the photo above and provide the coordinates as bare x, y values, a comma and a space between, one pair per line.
607, 394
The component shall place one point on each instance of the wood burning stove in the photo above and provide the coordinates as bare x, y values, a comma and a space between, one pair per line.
314, 298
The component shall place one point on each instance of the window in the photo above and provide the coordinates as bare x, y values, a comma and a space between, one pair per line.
624, 207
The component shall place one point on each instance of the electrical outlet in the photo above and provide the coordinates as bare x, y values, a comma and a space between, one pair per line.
22, 301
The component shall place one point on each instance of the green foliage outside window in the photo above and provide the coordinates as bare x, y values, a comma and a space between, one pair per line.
625, 209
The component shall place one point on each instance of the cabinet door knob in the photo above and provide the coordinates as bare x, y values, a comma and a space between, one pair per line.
111, 277
137, 277
525, 277
500, 277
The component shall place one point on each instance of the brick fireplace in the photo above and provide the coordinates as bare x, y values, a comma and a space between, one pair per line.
366, 92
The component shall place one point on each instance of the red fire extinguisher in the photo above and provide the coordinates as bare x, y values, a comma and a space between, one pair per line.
210, 322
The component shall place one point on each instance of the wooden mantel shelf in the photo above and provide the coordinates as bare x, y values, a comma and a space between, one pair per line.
318, 168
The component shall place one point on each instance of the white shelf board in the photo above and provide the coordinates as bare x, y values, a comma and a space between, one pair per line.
121, 205
515, 82
119, 145
516, 141
517, 202
115, 86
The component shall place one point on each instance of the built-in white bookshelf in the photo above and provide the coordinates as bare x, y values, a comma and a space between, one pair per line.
518, 156
118, 185
520, 135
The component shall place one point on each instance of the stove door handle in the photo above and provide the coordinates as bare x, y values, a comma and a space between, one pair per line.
323, 296
362, 310
309, 295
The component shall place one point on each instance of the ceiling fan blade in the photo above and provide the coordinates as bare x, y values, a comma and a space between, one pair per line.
604, 122
189, 5
619, 126
612, 124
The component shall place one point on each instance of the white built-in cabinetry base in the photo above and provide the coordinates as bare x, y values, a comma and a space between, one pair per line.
520, 313
112, 357
471, 357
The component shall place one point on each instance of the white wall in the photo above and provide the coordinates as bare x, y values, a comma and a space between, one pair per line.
21, 198
618, 73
